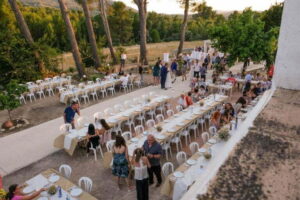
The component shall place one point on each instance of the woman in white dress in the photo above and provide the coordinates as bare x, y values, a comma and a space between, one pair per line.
169, 79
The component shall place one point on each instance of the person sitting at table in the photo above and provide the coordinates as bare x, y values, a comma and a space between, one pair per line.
256, 90
231, 79
92, 137
242, 100
141, 165
228, 113
15, 193
215, 119
103, 131
202, 91
196, 95
70, 112
120, 167
188, 99
182, 102
153, 150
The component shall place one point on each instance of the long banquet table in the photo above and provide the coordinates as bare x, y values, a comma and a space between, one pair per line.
69, 140
171, 126
42, 180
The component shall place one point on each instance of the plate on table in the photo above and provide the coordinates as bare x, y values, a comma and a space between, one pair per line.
112, 120
160, 137
178, 174
167, 120
134, 140
43, 198
126, 115
138, 110
171, 130
185, 110
53, 178
75, 192
145, 133
202, 150
212, 141
28, 189
180, 124
176, 115
86, 125
191, 162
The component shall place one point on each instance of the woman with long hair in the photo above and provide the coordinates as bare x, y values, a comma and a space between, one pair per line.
120, 166
141, 165
92, 137
15, 193
215, 119
104, 132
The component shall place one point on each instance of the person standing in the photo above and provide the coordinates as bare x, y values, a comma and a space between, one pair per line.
120, 167
141, 70
174, 69
197, 69
203, 72
123, 60
141, 165
163, 75
153, 151
155, 72
70, 112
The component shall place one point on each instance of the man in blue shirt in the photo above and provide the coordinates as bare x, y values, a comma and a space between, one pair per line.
70, 112
153, 150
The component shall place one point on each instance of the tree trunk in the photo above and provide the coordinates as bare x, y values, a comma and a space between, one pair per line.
142, 6
102, 7
72, 38
26, 32
91, 33
183, 27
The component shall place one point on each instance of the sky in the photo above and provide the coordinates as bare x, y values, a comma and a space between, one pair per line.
172, 7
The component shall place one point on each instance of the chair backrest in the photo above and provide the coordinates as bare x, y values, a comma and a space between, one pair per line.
159, 118
65, 128
127, 104
167, 169
139, 129
179, 108
150, 123
81, 121
212, 130
98, 115
118, 108
110, 144
65, 170
181, 157
170, 113
205, 136
127, 135
87, 183
108, 111
194, 146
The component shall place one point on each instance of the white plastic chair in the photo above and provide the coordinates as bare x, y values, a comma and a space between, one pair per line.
97, 116
118, 108
22, 99
186, 134
103, 91
109, 145
181, 157
151, 113
65, 170
81, 121
205, 137
112, 89
167, 169
161, 109
40, 92
87, 183
179, 108
176, 140
194, 146
138, 83
150, 123
194, 128
130, 123
167, 147
108, 111
170, 113
201, 122
49, 90
141, 118
94, 95
65, 128
139, 129
124, 86
212, 130
31, 95
94, 150
159, 118
85, 97
127, 135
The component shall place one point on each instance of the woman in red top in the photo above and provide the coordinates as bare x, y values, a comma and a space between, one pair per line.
188, 99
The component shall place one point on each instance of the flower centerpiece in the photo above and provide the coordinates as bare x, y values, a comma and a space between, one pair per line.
159, 128
52, 190
201, 102
207, 155
2, 194
224, 134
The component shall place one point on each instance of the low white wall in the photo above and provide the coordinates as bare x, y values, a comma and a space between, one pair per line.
287, 65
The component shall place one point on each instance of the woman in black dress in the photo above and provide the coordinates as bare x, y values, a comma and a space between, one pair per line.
92, 137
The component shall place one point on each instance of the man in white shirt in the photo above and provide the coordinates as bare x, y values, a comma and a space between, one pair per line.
248, 77
123, 59
197, 69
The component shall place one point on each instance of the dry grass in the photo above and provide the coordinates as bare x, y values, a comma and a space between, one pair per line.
155, 50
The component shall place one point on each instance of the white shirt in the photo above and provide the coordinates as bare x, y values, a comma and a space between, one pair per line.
197, 67
141, 172
123, 56
248, 77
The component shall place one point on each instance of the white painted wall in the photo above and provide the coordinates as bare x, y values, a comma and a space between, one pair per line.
287, 65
